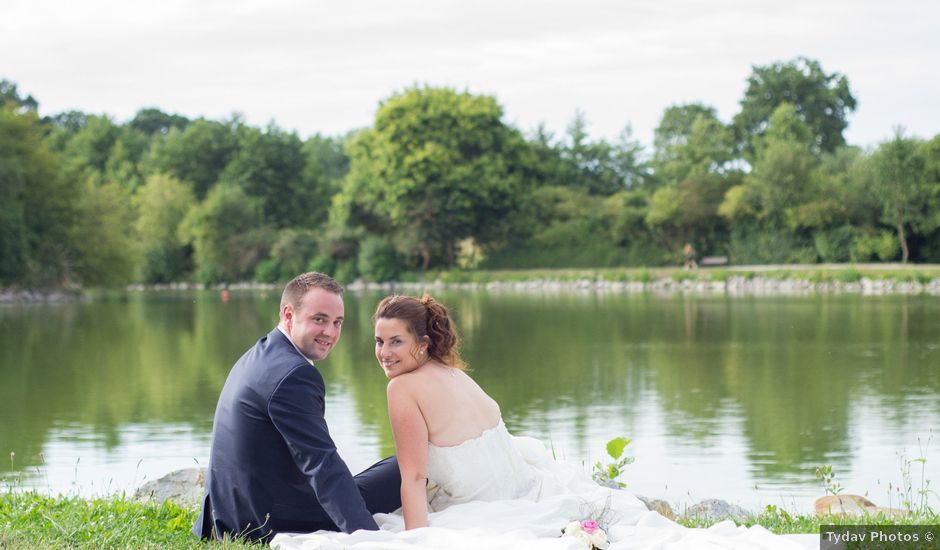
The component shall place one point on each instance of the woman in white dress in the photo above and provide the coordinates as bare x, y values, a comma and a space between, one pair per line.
468, 483
445, 425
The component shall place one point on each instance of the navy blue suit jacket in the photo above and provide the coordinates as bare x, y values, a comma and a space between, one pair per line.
273, 466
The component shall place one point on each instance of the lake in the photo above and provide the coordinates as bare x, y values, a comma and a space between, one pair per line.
738, 398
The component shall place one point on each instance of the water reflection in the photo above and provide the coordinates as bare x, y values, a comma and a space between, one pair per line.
739, 398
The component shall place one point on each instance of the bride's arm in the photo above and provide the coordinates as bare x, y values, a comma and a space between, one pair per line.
411, 446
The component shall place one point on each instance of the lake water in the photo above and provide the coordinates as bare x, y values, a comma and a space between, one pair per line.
738, 398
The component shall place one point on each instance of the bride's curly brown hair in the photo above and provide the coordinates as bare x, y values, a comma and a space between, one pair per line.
425, 316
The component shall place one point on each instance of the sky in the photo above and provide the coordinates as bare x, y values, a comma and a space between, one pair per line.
324, 67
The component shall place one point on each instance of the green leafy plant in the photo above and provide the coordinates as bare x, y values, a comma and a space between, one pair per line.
609, 474
827, 476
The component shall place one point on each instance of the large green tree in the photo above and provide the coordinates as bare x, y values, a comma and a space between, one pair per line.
198, 154
771, 205
154, 121
162, 204
269, 165
37, 205
104, 235
693, 153
902, 184
437, 166
599, 166
227, 234
9, 94
822, 100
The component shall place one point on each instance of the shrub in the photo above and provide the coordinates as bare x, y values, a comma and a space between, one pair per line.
323, 263
267, 271
378, 260
345, 272
849, 276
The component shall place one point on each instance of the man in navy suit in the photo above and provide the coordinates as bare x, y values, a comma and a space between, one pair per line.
273, 466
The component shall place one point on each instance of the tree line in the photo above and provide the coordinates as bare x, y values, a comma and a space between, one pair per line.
441, 181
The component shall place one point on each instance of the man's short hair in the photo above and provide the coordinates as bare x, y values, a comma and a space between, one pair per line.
295, 290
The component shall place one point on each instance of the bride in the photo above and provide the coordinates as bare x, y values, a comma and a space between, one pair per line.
471, 484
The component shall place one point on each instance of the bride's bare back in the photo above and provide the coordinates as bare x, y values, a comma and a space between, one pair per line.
454, 407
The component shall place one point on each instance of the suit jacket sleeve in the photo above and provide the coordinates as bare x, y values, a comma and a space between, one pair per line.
296, 407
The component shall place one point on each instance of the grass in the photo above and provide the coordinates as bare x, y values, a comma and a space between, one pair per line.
815, 273
781, 522
31, 520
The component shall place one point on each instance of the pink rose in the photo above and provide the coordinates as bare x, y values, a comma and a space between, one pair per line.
589, 526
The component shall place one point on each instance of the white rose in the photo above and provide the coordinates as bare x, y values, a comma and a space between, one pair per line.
599, 539
572, 528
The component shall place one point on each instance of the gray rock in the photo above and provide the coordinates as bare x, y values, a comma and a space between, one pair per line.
717, 510
184, 487
660, 506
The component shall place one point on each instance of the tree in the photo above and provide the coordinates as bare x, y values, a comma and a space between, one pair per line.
162, 204
690, 141
9, 95
693, 150
105, 242
227, 234
125, 162
599, 167
197, 154
778, 194
822, 101
269, 165
154, 121
89, 148
327, 161
437, 166
37, 205
903, 190
675, 128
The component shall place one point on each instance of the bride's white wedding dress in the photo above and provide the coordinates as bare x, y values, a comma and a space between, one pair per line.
497, 491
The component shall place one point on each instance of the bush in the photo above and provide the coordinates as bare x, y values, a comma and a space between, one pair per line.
291, 252
720, 275
322, 263
267, 271
378, 260
883, 245
345, 272
849, 276
834, 245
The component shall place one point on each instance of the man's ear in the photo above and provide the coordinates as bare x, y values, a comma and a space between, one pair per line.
287, 314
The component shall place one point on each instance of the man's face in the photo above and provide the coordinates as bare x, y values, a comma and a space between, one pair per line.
315, 326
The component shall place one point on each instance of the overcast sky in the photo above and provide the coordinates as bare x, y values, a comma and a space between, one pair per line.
324, 66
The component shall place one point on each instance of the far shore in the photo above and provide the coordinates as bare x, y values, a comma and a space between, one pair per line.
747, 280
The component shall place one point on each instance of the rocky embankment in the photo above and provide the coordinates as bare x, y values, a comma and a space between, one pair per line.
734, 285
19, 296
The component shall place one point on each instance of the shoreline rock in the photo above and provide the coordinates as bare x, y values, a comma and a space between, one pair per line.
27, 296
732, 286
184, 487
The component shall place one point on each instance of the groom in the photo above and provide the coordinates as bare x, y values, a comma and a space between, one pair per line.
273, 466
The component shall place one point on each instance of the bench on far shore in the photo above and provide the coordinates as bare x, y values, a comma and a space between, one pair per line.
711, 261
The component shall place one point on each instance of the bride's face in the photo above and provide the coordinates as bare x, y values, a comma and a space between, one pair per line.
397, 349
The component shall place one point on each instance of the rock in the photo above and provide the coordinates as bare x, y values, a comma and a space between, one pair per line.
659, 506
184, 487
714, 509
851, 505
